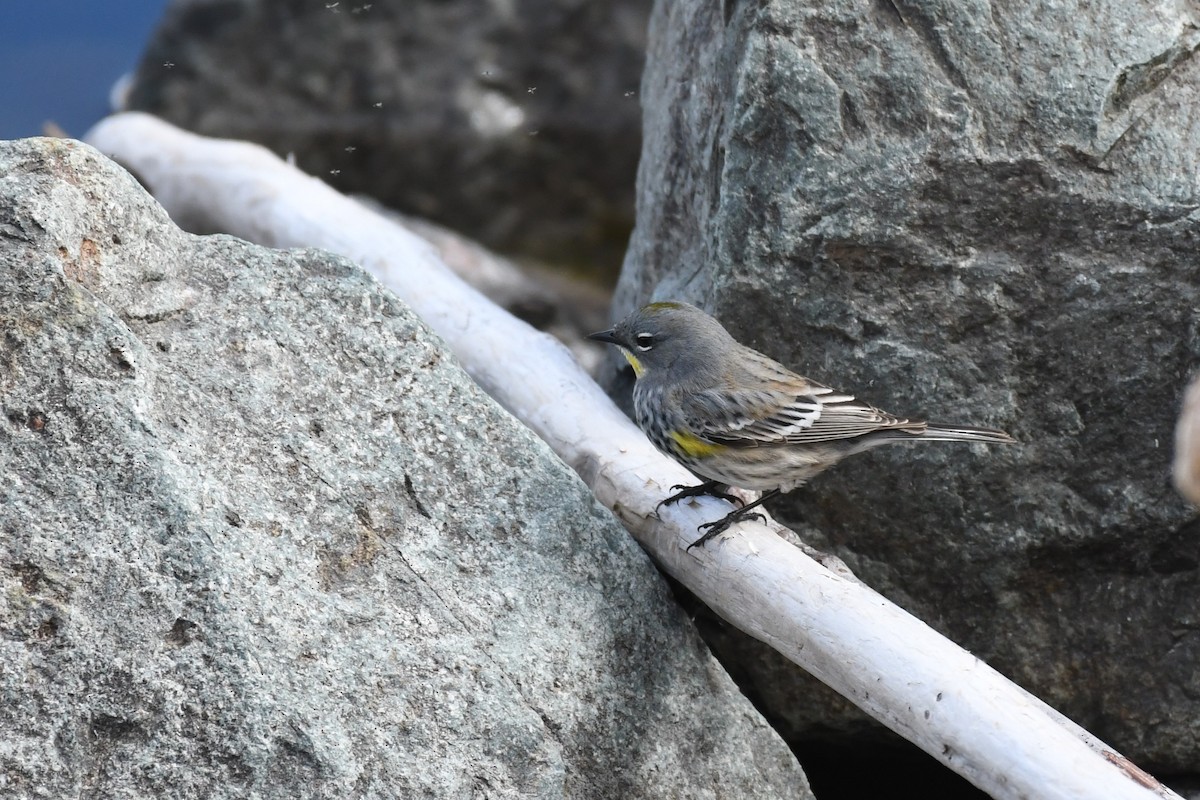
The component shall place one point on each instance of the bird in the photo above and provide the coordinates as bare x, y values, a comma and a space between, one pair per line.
737, 418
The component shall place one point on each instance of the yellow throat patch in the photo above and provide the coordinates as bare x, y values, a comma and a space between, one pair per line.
638, 369
694, 446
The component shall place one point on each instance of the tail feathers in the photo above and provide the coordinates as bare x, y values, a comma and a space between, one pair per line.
962, 433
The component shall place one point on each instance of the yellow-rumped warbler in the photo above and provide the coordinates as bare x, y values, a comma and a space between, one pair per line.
736, 418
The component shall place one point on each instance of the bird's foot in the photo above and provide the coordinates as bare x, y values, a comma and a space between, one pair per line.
710, 488
732, 518
721, 525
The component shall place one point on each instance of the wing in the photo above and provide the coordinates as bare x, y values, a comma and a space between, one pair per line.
800, 412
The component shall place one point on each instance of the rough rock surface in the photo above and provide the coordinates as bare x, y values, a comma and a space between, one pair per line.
261, 537
514, 122
978, 213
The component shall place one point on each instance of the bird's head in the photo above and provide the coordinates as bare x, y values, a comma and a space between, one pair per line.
662, 335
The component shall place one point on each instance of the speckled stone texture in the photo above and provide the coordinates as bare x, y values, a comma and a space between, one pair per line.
260, 536
978, 213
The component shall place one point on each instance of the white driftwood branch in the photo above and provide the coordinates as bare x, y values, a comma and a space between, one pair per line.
886, 661
1187, 445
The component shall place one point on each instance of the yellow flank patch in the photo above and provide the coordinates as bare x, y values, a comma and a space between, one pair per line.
638, 369
693, 446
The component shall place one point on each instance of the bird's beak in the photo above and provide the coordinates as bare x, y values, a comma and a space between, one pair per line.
609, 336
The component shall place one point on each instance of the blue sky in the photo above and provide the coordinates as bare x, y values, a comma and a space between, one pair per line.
60, 58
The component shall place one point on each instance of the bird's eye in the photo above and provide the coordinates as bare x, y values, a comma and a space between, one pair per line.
644, 341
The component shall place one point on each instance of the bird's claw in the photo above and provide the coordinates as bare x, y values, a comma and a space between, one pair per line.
710, 488
723, 524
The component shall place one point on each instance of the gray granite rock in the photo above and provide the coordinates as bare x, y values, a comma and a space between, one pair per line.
514, 122
979, 213
260, 536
